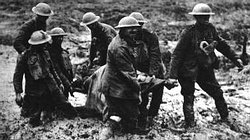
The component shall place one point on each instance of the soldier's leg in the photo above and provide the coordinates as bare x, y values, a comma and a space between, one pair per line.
209, 84
187, 90
155, 101
25, 111
111, 125
35, 111
48, 108
142, 119
126, 109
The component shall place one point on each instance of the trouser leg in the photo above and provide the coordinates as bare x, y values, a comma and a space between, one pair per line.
155, 101
187, 90
209, 84
126, 109
142, 118
25, 111
35, 111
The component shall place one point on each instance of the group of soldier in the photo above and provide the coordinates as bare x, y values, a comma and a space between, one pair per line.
130, 57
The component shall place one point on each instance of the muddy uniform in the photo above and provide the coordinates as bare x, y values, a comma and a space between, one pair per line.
189, 64
149, 61
24, 33
63, 67
119, 83
101, 37
41, 88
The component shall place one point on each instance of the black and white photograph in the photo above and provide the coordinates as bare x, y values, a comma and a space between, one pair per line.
125, 70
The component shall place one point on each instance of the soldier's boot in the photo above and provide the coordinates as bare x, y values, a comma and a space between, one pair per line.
142, 122
35, 120
46, 116
142, 118
131, 126
221, 106
109, 131
189, 112
68, 110
26, 108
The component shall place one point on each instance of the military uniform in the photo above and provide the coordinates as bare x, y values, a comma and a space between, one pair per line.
189, 64
119, 84
24, 33
149, 61
63, 66
42, 90
101, 37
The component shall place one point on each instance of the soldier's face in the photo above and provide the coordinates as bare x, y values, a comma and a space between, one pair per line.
131, 32
57, 39
202, 19
92, 26
42, 18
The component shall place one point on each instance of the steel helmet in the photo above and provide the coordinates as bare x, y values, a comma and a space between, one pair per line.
42, 9
57, 31
138, 16
201, 9
128, 22
89, 18
39, 37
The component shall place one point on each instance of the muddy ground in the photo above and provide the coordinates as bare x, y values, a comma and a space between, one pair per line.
236, 87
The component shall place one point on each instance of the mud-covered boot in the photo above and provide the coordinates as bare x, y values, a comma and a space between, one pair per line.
46, 117
108, 132
68, 110
142, 122
131, 126
25, 113
150, 121
35, 121
231, 122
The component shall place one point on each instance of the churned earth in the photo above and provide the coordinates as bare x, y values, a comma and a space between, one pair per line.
235, 85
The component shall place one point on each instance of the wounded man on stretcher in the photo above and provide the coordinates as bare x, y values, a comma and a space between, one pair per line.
96, 105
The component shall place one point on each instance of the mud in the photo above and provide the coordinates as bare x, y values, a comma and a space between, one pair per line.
166, 126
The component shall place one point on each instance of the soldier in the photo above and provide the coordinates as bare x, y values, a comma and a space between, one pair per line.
61, 60
43, 87
101, 34
193, 60
148, 61
119, 84
42, 11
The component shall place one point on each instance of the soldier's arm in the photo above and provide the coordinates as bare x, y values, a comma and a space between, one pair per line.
70, 71
155, 56
21, 38
178, 54
52, 69
65, 81
225, 49
18, 74
126, 68
56, 76
92, 50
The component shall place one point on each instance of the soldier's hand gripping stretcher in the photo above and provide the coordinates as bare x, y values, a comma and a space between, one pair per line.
149, 82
